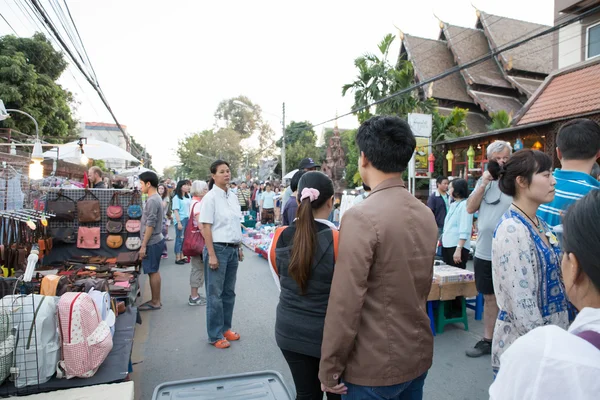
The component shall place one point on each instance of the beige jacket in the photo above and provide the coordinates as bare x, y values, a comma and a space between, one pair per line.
377, 330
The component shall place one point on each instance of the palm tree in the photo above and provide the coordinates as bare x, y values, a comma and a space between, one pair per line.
449, 126
377, 78
500, 120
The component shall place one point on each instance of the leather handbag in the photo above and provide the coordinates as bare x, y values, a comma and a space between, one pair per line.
64, 236
88, 210
133, 225
114, 226
64, 211
133, 243
114, 210
128, 259
193, 241
114, 241
134, 210
88, 238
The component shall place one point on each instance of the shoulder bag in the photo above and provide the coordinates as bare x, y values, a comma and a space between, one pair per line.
133, 243
114, 210
64, 211
114, 226
114, 241
134, 210
88, 210
88, 238
193, 241
133, 225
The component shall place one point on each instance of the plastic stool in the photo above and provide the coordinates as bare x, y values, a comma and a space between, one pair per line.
442, 321
476, 305
431, 317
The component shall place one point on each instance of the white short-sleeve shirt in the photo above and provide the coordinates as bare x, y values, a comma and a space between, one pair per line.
222, 210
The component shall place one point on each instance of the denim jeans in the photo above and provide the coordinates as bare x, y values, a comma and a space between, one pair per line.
220, 291
179, 236
411, 390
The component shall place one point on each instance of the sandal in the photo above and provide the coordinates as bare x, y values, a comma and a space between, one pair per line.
221, 344
147, 306
231, 335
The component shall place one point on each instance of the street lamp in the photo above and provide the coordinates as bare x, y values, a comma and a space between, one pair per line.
36, 170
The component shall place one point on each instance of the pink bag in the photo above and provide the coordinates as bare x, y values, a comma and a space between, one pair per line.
133, 225
88, 238
193, 241
86, 339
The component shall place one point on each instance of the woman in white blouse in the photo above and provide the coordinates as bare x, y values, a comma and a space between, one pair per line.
525, 254
550, 362
220, 218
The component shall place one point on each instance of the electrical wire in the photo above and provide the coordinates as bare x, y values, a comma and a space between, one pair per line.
8, 23
490, 55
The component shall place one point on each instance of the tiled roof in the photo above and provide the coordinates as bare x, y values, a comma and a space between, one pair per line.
526, 86
533, 56
430, 58
475, 121
568, 93
494, 102
469, 44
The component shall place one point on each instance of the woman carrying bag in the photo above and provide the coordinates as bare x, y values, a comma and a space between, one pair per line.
193, 243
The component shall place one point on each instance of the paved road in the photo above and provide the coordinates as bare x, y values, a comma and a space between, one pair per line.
171, 343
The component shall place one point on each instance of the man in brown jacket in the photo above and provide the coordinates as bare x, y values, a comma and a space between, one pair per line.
377, 337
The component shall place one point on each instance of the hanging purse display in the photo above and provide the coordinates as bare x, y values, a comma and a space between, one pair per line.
63, 235
88, 210
114, 210
88, 238
134, 210
114, 226
133, 243
114, 241
64, 210
133, 225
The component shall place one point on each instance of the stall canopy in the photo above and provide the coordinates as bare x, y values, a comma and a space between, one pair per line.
135, 171
94, 149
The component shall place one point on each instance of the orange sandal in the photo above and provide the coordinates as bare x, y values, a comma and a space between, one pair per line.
231, 335
221, 344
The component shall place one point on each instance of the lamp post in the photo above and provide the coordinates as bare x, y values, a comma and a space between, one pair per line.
36, 170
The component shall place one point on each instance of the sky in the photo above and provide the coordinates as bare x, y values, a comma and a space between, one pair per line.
165, 66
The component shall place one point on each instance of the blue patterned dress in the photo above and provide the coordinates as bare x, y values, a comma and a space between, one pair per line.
527, 281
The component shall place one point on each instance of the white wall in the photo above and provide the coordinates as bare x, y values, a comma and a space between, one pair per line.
570, 42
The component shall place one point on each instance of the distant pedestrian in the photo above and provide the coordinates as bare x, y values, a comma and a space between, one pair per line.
267, 205
458, 226
439, 202
152, 239
244, 196
198, 191
164, 195
220, 218
181, 210
289, 215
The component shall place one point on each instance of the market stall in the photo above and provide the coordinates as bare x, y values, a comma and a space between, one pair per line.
70, 266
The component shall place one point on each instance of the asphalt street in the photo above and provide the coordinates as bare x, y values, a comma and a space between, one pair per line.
171, 344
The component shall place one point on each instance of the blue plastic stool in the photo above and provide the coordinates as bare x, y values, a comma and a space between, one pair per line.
476, 305
431, 317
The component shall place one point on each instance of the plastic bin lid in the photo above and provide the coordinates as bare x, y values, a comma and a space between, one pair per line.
253, 385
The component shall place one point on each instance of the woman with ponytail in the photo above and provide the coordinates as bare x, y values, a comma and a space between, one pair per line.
303, 255
525, 254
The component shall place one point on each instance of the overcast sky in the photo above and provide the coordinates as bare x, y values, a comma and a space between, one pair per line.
164, 66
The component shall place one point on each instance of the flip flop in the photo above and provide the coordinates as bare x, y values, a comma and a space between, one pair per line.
147, 306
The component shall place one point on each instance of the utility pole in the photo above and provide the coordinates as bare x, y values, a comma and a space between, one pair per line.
283, 143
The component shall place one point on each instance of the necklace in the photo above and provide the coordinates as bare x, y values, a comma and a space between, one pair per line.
538, 225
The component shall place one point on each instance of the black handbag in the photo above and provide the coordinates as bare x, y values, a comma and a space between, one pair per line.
64, 235
64, 211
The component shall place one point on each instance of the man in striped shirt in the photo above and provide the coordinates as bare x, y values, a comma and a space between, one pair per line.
578, 148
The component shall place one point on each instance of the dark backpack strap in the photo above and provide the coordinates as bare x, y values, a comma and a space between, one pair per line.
591, 337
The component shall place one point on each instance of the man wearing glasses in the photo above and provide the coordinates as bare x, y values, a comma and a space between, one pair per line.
490, 204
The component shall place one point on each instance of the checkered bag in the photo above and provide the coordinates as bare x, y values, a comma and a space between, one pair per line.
86, 338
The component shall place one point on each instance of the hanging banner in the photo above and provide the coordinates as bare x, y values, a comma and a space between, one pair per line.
421, 126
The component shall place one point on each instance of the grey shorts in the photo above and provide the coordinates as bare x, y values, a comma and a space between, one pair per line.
197, 272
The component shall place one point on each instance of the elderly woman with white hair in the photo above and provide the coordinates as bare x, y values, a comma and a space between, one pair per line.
198, 190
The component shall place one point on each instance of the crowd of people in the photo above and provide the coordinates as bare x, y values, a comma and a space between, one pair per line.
351, 319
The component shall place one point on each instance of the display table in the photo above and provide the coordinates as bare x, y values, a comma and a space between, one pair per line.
114, 369
258, 240
121, 391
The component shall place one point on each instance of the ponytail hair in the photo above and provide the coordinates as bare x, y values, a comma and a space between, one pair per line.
314, 189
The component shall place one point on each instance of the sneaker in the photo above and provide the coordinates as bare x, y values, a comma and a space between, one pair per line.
180, 262
164, 256
198, 301
221, 344
482, 347
231, 335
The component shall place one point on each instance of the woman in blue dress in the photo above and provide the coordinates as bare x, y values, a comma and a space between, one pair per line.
525, 254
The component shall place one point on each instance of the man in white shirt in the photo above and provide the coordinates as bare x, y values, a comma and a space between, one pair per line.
361, 197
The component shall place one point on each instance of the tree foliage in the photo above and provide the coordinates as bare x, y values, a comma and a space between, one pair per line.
378, 78
223, 144
449, 126
300, 143
500, 120
239, 114
29, 68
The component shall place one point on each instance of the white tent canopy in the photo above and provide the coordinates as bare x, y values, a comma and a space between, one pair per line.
290, 175
135, 171
94, 149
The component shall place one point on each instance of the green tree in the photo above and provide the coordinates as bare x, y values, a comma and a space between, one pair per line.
500, 120
170, 172
300, 143
199, 150
240, 114
348, 140
451, 126
377, 78
29, 68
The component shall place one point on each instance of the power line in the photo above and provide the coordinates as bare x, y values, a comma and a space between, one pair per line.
7, 23
80, 40
466, 65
